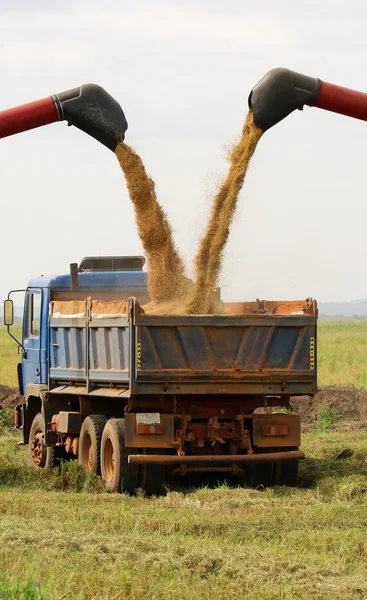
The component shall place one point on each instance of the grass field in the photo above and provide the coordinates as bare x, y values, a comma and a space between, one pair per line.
342, 354
61, 536
304, 543
9, 356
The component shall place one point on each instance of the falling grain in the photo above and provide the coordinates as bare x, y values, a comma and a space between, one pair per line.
166, 274
208, 261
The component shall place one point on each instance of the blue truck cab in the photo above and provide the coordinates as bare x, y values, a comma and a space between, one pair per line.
35, 354
137, 397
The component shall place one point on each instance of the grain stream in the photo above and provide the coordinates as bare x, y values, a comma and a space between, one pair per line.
208, 261
167, 282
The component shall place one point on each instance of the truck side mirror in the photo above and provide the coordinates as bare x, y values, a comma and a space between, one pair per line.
8, 312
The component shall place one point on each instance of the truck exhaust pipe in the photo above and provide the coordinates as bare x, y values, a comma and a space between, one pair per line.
73, 277
88, 107
281, 91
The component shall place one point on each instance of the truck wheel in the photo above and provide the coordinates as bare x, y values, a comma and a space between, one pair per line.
260, 474
118, 475
151, 477
286, 471
41, 456
90, 443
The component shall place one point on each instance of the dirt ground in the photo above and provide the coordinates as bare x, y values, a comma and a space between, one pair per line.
349, 405
9, 397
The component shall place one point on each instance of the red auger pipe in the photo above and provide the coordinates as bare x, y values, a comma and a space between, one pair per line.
27, 116
342, 100
88, 107
282, 91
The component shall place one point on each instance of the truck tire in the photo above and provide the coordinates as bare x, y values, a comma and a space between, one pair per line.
260, 474
152, 477
118, 475
286, 471
90, 443
41, 456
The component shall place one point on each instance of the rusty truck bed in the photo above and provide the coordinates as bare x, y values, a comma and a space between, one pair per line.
266, 349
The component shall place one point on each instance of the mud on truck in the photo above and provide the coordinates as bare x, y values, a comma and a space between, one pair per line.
138, 398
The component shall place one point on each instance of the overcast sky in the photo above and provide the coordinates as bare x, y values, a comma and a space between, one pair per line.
182, 71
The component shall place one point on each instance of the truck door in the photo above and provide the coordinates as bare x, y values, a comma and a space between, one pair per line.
32, 337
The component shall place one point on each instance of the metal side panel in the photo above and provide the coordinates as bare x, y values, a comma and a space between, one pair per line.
109, 350
261, 354
68, 344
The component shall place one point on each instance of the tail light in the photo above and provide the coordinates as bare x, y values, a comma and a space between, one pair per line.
275, 430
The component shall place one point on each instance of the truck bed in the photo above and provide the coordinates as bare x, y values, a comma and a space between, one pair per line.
271, 351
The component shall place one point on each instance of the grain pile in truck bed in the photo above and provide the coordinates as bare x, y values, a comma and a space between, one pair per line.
104, 308
97, 308
68, 308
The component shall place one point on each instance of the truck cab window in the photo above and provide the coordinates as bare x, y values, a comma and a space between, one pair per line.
34, 313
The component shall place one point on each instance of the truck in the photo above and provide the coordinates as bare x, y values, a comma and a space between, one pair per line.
138, 397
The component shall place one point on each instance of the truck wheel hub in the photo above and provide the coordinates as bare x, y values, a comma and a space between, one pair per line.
39, 449
109, 460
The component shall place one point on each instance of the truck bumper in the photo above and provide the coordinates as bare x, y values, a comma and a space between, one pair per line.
212, 459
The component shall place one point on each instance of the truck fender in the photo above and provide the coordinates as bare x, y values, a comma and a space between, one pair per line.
29, 410
34, 400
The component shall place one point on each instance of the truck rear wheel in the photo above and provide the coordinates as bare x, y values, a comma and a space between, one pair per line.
260, 474
41, 456
118, 475
286, 471
151, 477
90, 443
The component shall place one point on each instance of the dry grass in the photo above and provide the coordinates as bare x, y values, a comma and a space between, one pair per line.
62, 537
308, 542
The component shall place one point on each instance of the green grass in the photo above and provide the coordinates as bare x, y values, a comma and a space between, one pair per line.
303, 543
15, 590
326, 419
9, 357
342, 354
